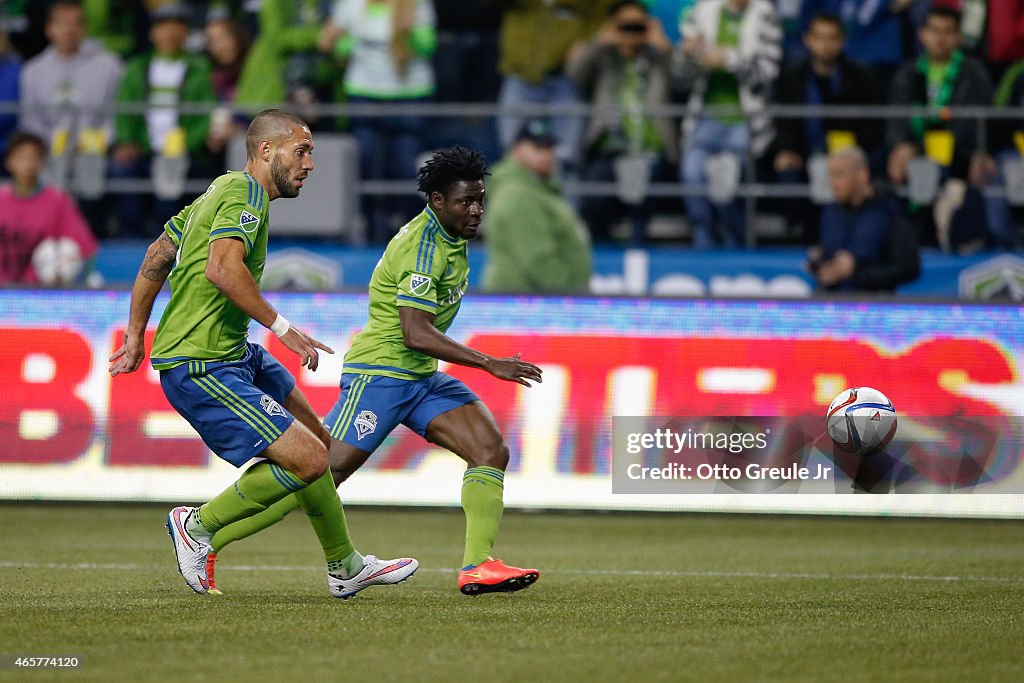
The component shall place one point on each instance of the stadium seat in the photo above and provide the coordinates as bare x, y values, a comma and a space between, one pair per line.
923, 177
723, 173
329, 203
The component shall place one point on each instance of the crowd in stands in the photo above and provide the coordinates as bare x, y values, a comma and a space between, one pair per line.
186, 76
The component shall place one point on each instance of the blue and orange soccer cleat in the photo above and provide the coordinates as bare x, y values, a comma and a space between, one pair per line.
494, 576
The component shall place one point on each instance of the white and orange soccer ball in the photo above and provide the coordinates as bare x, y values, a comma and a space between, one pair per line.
861, 420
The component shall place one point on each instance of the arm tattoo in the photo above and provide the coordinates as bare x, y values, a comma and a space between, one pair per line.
159, 259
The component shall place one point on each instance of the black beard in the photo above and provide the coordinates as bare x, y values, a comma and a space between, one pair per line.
279, 174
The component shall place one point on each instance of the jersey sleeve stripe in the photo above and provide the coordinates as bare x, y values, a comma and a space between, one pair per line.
433, 249
254, 187
422, 302
248, 182
220, 231
420, 251
255, 194
232, 231
421, 258
428, 257
177, 233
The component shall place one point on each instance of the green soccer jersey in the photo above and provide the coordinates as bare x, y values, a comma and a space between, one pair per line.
199, 322
425, 268
722, 87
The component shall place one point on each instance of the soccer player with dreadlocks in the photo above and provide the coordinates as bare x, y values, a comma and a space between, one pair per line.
390, 373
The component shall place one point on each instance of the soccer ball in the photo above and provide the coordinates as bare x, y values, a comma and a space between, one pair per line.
861, 420
57, 261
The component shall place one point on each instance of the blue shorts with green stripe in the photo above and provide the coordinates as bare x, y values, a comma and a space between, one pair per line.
235, 406
371, 406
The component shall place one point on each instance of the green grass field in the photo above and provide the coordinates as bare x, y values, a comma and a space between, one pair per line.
638, 597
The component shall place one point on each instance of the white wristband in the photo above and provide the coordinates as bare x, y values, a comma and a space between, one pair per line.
280, 326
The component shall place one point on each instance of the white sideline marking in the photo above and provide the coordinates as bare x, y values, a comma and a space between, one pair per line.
4, 564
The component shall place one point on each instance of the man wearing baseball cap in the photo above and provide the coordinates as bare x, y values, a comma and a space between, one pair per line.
535, 240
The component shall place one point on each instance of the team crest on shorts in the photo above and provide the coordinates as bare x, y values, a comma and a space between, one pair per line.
366, 423
271, 406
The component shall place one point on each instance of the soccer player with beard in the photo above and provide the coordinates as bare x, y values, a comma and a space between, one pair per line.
390, 374
242, 402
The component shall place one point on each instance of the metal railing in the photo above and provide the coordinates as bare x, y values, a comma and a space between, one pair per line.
749, 189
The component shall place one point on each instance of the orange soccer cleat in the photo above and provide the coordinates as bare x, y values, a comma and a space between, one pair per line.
494, 576
211, 563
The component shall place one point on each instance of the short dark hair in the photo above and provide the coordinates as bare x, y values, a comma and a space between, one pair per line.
62, 4
269, 124
21, 137
621, 4
827, 18
447, 167
944, 12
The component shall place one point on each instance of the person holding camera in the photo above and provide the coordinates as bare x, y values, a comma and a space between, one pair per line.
625, 71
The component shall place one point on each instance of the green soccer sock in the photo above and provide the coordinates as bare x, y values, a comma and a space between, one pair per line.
258, 488
323, 507
244, 528
482, 489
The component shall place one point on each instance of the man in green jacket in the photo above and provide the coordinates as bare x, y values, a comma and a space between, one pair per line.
536, 242
162, 80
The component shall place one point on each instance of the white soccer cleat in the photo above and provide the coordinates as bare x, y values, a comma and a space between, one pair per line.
375, 572
191, 553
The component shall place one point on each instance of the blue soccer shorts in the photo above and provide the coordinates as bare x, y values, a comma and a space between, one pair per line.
237, 406
371, 406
